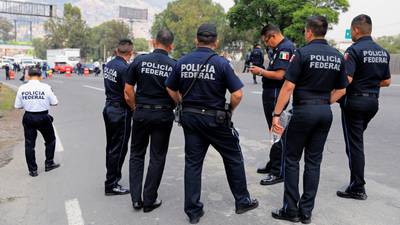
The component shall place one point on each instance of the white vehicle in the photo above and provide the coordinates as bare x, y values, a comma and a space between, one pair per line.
4, 62
27, 62
70, 56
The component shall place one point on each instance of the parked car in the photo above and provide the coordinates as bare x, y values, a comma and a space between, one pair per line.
62, 67
4, 62
89, 66
25, 63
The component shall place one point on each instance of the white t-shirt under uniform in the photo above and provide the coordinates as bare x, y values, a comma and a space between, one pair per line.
35, 96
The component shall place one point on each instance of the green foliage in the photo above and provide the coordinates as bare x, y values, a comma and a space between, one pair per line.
183, 17
104, 38
390, 43
289, 15
40, 47
141, 45
5, 30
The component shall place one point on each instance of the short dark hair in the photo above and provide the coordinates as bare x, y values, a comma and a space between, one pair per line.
270, 29
125, 46
206, 40
165, 37
318, 25
34, 72
362, 22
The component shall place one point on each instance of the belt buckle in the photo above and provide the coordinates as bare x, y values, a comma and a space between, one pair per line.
158, 107
203, 111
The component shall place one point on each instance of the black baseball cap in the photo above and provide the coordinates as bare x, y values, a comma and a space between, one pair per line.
207, 30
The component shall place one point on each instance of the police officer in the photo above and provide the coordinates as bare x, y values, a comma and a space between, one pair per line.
202, 77
273, 78
7, 70
153, 118
316, 77
367, 67
257, 59
117, 117
36, 98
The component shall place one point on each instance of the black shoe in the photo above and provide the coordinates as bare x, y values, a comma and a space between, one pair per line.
305, 219
244, 208
196, 220
150, 208
263, 170
137, 205
33, 173
281, 215
51, 166
271, 179
353, 195
118, 190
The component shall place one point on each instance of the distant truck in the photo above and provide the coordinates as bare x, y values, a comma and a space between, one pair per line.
59, 59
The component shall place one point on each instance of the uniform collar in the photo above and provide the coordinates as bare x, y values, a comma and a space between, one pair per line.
204, 49
365, 38
318, 41
161, 51
34, 81
120, 58
280, 43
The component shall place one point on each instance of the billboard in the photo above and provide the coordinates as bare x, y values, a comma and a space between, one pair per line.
133, 13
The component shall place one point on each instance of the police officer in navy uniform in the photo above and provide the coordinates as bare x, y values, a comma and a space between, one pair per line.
257, 59
273, 78
153, 118
206, 119
117, 117
316, 77
367, 67
36, 98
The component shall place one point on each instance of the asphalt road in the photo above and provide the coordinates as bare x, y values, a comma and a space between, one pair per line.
74, 193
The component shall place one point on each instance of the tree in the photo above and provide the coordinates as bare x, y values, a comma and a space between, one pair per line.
141, 45
390, 43
71, 31
5, 28
40, 47
183, 17
105, 37
289, 15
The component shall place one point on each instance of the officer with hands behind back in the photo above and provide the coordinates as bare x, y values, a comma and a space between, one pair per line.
200, 80
316, 77
153, 118
367, 68
117, 117
36, 98
273, 78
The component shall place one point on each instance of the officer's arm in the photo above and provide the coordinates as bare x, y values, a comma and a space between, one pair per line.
350, 79
274, 75
236, 97
284, 96
129, 94
175, 95
337, 94
385, 83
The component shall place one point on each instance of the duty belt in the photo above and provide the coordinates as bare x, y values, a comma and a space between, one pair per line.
42, 112
208, 112
365, 94
140, 106
116, 103
311, 102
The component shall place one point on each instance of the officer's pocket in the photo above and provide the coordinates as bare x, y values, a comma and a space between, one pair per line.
167, 117
138, 116
51, 118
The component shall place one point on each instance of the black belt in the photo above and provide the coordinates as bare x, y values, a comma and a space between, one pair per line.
116, 103
208, 112
42, 112
140, 106
312, 102
365, 94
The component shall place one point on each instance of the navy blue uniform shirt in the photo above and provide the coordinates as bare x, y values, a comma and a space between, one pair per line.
114, 79
316, 69
279, 60
257, 57
149, 72
211, 85
368, 64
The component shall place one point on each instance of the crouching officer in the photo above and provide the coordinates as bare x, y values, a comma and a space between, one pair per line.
316, 77
117, 117
152, 118
36, 98
367, 67
202, 77
273, 78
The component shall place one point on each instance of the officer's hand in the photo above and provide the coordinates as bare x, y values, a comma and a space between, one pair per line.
255, 70
276, 126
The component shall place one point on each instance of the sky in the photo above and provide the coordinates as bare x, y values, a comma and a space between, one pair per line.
385, 16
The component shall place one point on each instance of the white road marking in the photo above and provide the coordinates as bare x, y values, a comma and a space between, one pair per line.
74, 213
395, 85
257, 92
94, 88
59, 146
11, 86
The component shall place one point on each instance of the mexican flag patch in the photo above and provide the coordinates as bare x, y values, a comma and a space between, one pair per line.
284, 55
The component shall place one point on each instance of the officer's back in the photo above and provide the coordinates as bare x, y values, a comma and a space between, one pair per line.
257, 56
114, 79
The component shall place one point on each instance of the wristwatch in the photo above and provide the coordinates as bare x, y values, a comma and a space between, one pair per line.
276, 114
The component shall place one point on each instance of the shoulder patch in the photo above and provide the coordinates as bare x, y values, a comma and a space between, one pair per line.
284, 55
